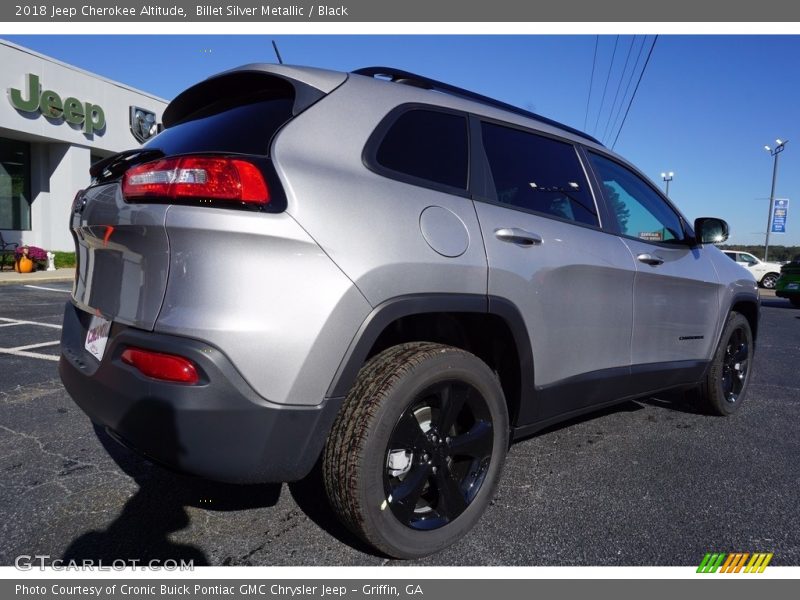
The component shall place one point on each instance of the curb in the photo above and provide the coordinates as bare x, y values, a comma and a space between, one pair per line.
12, 278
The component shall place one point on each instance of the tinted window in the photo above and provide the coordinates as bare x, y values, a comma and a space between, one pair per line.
15, 184
538, 173
429, 145
640, 211
246, 128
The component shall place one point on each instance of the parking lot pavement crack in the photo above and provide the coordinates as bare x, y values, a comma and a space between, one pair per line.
21, 393
44, 450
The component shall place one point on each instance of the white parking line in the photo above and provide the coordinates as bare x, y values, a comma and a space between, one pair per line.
23, 350
20, 322
32, 346
27, 354
47, 289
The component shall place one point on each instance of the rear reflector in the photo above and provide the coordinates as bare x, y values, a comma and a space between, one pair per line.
166, 367
200, 177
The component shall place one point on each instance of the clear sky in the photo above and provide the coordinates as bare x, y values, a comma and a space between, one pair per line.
705, 108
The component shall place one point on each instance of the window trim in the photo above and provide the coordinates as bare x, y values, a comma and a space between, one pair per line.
487, 184
688, 240
369, 155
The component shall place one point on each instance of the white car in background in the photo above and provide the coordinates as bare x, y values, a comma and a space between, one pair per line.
766, 273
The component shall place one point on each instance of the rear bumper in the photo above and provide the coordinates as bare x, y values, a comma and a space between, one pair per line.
219, 429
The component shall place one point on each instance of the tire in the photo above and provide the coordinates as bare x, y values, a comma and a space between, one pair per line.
725, 386
795, 301
416, 452
769, 280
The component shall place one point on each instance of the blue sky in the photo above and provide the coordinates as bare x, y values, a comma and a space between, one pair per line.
705, 108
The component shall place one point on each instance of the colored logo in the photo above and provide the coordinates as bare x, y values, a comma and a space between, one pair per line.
736, 562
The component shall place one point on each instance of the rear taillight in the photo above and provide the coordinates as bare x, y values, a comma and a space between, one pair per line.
167, 367
198, 177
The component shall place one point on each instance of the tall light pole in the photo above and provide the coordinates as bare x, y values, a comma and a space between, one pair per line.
667, 177
775, 153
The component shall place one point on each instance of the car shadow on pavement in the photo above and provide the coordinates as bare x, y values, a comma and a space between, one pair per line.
685, 401
777, 303
141, 532
309, 494
626, 406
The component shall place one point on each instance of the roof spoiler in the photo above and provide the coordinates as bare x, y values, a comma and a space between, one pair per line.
307, 85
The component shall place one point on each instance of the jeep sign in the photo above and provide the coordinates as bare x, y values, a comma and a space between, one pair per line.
89, 116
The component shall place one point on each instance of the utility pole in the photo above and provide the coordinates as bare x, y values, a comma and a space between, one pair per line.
667, 177
775, 153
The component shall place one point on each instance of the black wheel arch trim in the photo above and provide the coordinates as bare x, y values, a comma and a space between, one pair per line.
740, 298
414, 304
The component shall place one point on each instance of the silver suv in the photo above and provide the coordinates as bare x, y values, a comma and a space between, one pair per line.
389, 275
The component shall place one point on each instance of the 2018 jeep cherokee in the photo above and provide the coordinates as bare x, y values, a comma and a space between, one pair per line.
388, 274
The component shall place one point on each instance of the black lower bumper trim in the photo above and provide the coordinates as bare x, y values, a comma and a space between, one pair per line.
220, 429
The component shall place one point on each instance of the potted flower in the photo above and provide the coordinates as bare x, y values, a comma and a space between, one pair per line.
28, 258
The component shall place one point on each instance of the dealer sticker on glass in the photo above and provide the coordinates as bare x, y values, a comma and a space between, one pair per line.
97, 336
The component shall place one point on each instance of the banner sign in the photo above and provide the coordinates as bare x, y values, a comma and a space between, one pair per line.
779, 211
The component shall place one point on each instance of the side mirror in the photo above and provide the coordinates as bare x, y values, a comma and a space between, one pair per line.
709, 230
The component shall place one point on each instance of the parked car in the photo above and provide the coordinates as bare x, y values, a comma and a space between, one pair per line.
788, 285
390, 275
765, 273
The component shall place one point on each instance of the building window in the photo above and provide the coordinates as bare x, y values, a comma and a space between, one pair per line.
15, 184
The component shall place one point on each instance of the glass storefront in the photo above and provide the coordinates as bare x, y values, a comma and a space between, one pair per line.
15, 184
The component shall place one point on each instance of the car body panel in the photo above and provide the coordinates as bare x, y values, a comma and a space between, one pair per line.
367, 223
257, 287
122, 256
676, 304
557, 286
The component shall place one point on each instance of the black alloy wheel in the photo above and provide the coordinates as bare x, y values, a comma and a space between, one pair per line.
735, 364
416, 451
438, 455
725, 384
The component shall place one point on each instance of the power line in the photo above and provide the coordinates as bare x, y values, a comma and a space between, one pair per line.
591, 80
644, 68
619, 87
605, 87
630, 80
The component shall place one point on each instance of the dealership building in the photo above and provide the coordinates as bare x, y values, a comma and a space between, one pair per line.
55, 121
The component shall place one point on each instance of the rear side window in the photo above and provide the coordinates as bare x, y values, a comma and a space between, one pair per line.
537, 173
425, 146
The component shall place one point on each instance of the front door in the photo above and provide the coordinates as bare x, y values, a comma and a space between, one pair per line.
677, 292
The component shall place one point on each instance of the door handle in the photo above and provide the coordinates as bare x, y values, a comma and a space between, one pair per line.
520, 237
649, 259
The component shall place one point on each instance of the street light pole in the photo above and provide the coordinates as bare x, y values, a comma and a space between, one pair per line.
667, 177
775, 153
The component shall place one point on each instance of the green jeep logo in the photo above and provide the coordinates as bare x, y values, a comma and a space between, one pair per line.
89, 116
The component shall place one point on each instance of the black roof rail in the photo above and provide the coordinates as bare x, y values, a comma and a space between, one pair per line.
405, 77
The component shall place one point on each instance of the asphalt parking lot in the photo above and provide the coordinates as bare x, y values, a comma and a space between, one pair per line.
651, 482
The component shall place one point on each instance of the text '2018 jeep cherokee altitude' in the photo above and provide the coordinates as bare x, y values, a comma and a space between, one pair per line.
388, 274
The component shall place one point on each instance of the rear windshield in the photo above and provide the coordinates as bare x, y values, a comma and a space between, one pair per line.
243, 128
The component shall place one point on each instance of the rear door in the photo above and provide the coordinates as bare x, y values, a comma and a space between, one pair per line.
572, 282
676, 297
